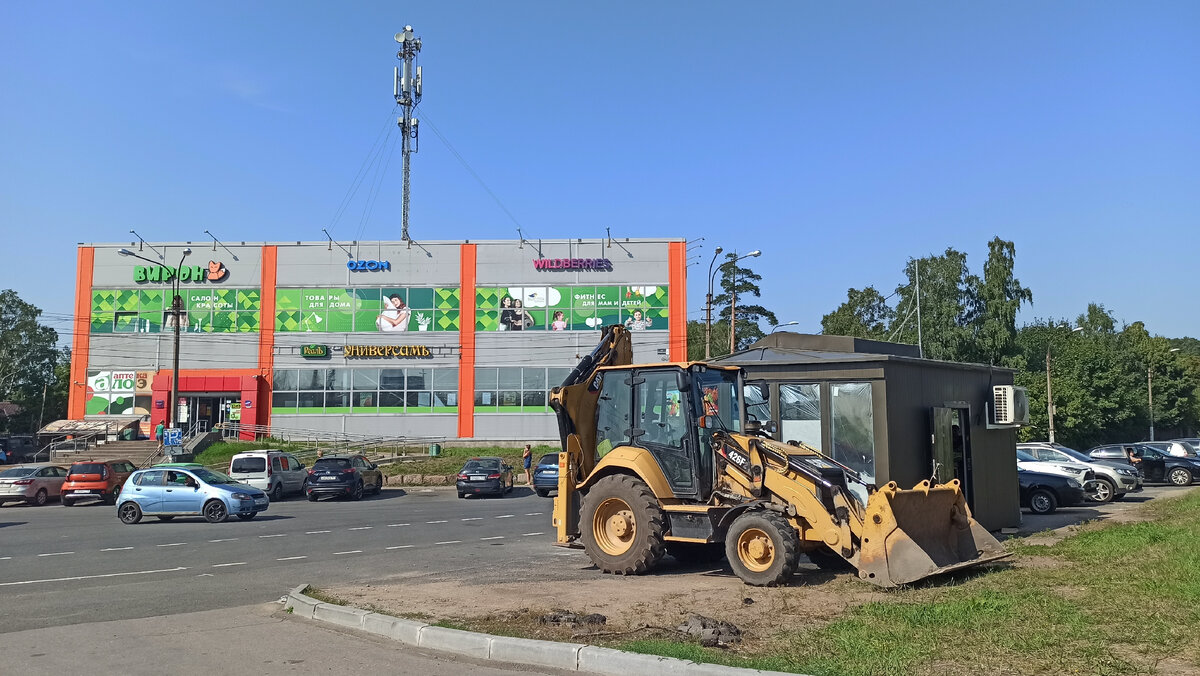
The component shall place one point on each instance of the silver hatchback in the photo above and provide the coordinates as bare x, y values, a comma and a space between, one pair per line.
33, 484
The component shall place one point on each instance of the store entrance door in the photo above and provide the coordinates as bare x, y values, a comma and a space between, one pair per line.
210, 409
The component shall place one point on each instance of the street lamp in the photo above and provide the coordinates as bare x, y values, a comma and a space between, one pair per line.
778, 326
1150, 390
1049, 392
708, 307
733, 299
176, 310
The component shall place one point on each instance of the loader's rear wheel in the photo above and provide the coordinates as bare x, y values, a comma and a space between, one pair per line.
762, 548
622, 526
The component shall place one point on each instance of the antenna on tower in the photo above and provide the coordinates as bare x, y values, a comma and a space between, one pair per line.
406, 87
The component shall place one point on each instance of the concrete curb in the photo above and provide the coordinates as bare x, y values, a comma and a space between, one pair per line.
531, 652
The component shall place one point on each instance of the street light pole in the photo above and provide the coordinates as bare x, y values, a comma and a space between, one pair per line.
1150, 391
708, 307
176, 310
1049, 393
779, 326
733, 300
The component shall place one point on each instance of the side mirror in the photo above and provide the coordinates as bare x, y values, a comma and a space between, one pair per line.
301, 465
374, 466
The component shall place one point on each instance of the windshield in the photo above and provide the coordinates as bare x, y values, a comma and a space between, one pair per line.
717, 392
1074, 454
18, 471
1025, 456
210, 477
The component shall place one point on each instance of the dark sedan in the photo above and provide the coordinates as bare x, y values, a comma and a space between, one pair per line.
484, 476
342, 475
545, 475
1155, 466
1043, 493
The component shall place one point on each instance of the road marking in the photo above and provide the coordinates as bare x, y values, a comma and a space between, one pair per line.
362, 528
494, 537
172, 544
397, 525
291, 558
91, 577
314, 532
534, 514
399, 547
448, 542
352, 551
532, 534
116, 549
564, 553
443, 521
473, 518
277, 535
506, 516
56, 554
5, 558
224, 565
224, 540
205, 575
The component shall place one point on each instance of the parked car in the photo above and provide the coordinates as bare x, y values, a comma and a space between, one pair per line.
166, 493
1042, 493
31, 484
1155, 466
101, 480
1075, 470
1112, 482
275, 472
18, 448
1176, 448
484, 476
545, 475
346, 475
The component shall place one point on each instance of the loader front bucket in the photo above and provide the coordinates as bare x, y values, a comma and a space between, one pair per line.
914, 534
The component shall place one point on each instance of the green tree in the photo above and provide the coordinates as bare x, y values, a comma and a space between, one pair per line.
998, 297
29, 361
741, 283
947, 305
865, 314
720, 339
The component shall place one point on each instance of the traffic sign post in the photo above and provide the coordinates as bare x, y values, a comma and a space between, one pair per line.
173, 437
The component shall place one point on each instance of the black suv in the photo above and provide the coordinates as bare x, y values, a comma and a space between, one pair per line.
345, 475
1155, 466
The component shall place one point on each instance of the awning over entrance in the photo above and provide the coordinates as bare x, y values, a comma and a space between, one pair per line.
91, 426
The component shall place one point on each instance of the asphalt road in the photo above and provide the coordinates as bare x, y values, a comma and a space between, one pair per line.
62, 566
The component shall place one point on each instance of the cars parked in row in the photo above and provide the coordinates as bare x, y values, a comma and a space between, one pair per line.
166, 493
34, 484
274, 472
545, 475
1077, 471
484, 476
1154, 465
1112, 480
1042, 493
95, 480
343, 475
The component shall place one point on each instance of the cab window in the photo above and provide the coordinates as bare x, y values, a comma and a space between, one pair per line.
614, 407
150, 478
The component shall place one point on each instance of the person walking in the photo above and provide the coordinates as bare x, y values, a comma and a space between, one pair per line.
158, 430
527, 461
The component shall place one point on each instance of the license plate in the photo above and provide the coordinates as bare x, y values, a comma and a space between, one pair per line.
328, 478
478, 477
260, 501
83, 492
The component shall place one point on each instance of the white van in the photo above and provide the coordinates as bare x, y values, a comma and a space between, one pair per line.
273, 472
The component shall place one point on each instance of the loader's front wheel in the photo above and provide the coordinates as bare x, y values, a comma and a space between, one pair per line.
762, 548
622, 526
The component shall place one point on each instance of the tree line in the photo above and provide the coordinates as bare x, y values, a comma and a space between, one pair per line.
35, 372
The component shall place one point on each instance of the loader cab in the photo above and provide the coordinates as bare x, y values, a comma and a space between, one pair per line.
672, 412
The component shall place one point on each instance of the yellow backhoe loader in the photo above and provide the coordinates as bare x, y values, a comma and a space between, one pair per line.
662, 458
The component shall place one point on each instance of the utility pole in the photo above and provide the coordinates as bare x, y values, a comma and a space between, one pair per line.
920, 343
407, 90
733, 312
1049, 395
1150, 396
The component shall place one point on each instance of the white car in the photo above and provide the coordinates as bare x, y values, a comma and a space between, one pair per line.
272, 472
1113, 480
1074, 470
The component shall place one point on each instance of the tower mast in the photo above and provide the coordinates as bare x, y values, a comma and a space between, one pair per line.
407, 90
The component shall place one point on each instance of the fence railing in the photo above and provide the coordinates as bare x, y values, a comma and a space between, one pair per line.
313, 440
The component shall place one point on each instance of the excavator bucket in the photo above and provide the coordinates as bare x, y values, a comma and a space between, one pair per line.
914, 534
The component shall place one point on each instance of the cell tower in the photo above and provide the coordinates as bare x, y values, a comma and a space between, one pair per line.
407, 90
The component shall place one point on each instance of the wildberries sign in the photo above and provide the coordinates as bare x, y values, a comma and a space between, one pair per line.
600, 264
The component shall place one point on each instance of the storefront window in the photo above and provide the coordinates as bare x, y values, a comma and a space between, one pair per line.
511, 389
800, 414
365, 390
853, 429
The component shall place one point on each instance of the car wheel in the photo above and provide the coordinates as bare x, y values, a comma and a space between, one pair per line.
164, 518
542, 492
277, 493
1042, 502
1102, 490
461, 496
39, 498
312, 497
215, 511
247, 517
1180, 477
130, 513
358, 492
378, 486
67, 502
111, 499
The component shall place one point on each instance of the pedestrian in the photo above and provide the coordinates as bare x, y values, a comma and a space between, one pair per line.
320, 453
527, 460
158, 430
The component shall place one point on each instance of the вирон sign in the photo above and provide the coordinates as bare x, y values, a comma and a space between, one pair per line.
601, 264
215, 272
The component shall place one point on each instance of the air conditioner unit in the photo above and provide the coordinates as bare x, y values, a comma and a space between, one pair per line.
1010, 405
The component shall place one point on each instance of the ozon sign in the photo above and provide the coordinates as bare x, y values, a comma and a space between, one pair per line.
370, 266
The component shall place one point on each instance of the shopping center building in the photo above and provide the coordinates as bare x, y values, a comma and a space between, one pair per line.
431, 339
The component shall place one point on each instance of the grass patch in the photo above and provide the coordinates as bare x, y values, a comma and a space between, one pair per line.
453, 458
219, 453
323, 597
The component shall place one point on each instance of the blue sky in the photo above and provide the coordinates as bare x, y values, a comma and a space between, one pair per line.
839, 138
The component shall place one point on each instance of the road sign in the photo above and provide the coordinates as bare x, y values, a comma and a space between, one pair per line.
173, 437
